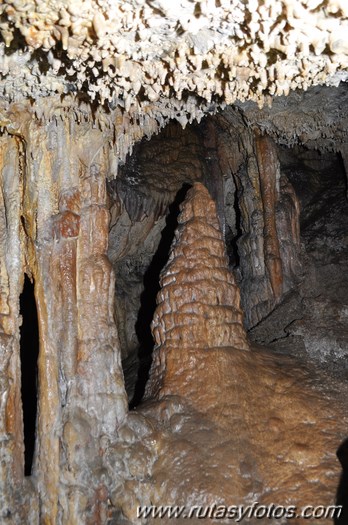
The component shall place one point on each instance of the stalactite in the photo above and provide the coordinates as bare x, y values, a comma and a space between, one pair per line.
257, 296
268, 165
288, 232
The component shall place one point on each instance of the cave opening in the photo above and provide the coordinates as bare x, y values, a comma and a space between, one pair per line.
29, 351
148, 297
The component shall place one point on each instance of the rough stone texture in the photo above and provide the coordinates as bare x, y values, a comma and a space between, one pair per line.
269, 244
142, 199
81, 83
226, 422
316, 118
55, 228
136, 52
260, 213
313, 316
198, 308
273, 439
17, 499
223, 153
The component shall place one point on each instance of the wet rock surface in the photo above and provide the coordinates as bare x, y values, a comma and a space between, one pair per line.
55, 229
224, 419
272, 435
312, 319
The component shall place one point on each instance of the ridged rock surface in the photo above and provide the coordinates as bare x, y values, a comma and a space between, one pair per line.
198, 321
54, 228
224, 423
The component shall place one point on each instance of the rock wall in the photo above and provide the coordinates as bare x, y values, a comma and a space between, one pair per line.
270, 242
11, 280
55, 228
261, 213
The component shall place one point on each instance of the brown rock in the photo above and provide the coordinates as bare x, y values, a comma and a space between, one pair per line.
198, 320
239, 422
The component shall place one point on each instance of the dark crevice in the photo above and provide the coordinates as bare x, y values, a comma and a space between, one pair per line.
29, 351
232, 238
344, 168
341, 499
238, 229
148, 297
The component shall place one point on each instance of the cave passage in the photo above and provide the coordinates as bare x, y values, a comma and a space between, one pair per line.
148, 297
29, 351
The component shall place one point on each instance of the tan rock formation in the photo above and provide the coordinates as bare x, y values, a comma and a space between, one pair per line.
268, 165
198, 319
81, 82
139, 52
238, 423
53, 178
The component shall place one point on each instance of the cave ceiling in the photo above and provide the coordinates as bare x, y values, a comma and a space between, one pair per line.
157, 60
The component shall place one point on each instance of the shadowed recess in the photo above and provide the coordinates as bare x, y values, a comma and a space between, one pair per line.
342, 492
148, 297
29, 351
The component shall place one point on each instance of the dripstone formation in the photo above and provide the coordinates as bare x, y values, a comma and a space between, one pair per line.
231, 418
198, 320
109, 110
55, 229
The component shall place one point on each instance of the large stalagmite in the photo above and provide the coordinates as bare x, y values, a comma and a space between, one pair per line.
250, 423
198, 320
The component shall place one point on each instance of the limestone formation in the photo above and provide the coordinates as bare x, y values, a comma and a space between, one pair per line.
147, 187
198, 319
55, 229
83, 85
234, 420
269, 247
134, 53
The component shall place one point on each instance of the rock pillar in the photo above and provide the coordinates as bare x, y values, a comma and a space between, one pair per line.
198, 320
55, 228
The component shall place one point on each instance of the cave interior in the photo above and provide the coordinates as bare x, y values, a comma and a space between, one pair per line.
173, 261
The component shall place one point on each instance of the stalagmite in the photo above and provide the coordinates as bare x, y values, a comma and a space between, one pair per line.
262, 417
198, 320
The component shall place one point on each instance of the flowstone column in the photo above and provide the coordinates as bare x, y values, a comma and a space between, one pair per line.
269, 246
81, 393
55, 223
17, 499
